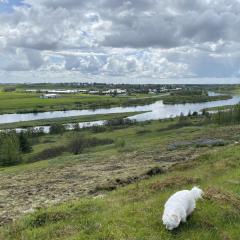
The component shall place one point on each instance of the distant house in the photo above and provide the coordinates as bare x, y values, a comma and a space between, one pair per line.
176, 89
82, 91
46, 96
152, 91
93, 92
60, 91
31, 90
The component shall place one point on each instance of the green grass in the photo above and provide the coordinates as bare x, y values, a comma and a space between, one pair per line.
134, 212
179, 99
29, 102
219, 108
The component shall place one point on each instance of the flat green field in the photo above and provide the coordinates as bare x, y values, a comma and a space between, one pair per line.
23, 102
29, 102
111, 192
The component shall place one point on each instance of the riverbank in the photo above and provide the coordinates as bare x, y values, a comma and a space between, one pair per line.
21, 102
85, 182
67, 120
155, 110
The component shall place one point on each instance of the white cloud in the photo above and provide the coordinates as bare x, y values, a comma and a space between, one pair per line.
130, 39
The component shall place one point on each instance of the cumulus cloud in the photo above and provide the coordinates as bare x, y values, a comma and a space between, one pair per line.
122, 39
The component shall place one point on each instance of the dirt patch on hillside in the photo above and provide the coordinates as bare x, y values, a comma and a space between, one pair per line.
121, 182
23, 192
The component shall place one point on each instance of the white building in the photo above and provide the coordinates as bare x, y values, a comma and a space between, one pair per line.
56, 91
82, 91
93, 92
31, 90
46, 96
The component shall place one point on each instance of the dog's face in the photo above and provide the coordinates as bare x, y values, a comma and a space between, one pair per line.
197, 193
171, 221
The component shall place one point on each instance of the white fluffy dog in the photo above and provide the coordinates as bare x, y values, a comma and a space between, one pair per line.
180, 205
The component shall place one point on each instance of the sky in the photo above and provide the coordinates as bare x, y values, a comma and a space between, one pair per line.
120, 41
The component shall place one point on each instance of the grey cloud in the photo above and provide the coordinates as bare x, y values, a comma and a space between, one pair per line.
87, 64
149, 38
22, 60
146, 32
175, 23
137, 24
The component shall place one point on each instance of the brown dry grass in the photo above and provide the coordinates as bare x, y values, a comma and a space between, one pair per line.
173, 182
222, 197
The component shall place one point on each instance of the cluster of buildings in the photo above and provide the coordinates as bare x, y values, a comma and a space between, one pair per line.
163, 90
56, 93
52, 93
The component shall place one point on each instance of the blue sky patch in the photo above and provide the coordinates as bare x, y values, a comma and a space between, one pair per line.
7, 5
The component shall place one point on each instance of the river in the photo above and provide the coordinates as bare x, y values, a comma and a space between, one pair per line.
157, 110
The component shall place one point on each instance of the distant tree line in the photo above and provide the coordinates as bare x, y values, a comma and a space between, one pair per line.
9, 89
190, 92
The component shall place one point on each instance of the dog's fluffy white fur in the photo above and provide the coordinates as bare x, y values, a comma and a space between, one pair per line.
180, 205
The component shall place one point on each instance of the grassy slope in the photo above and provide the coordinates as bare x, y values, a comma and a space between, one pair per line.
134, 212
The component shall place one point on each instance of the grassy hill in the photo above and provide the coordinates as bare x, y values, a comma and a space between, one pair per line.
126, 194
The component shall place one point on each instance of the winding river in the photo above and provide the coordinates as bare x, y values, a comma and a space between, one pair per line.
157, 110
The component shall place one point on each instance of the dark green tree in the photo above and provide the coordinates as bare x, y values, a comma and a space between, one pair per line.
9, 149
25, 144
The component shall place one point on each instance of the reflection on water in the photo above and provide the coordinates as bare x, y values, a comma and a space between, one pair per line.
70, 126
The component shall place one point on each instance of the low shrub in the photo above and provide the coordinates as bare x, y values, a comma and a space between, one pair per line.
48, 153
98, 129
57, 129
79, 143
41, 219
142, 131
